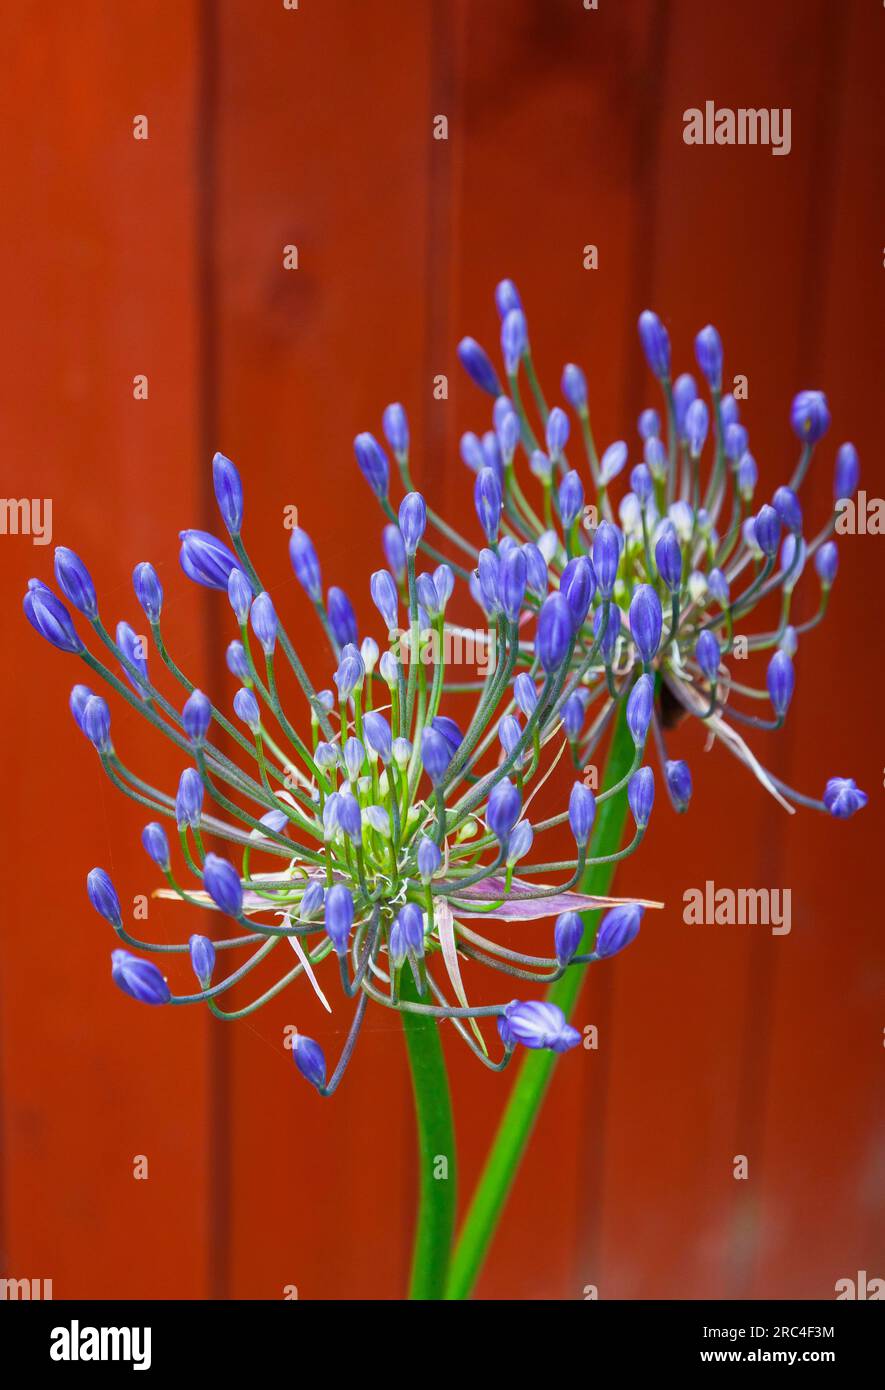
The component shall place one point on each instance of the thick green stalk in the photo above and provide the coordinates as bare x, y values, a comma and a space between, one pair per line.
536, 1070
436, 1151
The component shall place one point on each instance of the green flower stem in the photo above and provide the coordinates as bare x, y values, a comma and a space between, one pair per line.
536, 1068
436, 1139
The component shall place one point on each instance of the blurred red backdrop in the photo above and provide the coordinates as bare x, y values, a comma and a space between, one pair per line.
270, 126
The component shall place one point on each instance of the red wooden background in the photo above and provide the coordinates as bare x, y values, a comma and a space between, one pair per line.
270, 126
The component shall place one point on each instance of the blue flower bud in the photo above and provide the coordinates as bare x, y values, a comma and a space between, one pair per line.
478, 367
843, 797
718, 587
448, 729
581, 813
411, 920
131, 646
139, 978
202, 954
847, 474
608, 638
708, 351
429, 859
103, 896
736, 441
378, 735
536, 570
655, 344
509, 734
373, 462
436, 754
684, 392
678, 776
541, 465
444, 583
50, 618
668, 558
196, 716
571, 499
606, 556
574, 386
810, 416
697, 422
350, 818
521, 840
613, 461
617, 929
488, 501
396, 428
427, 595
312, 900
97, 723
264, 622
189, 798
246, 708
786, 504
78, 699
350, 672
646, 620
578, 584
148, 590
728, 410
557, 432
572, 715
641, 483
525, 693
649, 424
538, 1025
511, 583
412, 520
506, 298
514, 339
228, 493
488, 574
555, 632
640, 705
385, 598
222, 883
236, 661
641, 795
310, 1060
780, 679
747, 476
342, 618
567, 936
339, 916
402, 752
239, 592
826, 562
305, 564
205, 559
707, 654
509, 432
767, 530
75, 581
504, 806
153, 837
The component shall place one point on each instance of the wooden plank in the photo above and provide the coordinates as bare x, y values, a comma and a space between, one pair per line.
323, 142
98, 285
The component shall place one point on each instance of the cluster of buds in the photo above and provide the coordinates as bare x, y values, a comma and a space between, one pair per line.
657, 585
385, 825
